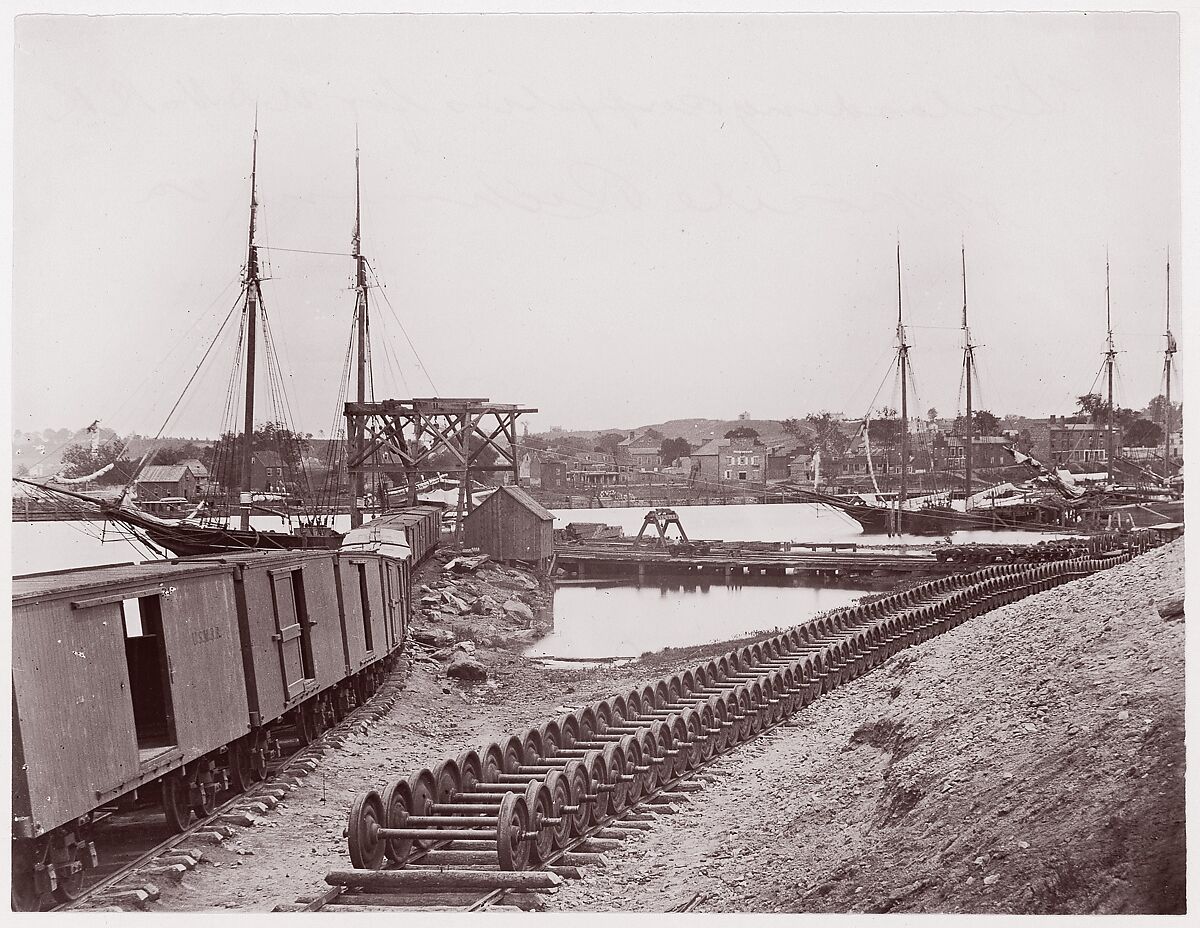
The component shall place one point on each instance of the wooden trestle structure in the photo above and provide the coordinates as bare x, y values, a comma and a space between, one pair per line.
410, 432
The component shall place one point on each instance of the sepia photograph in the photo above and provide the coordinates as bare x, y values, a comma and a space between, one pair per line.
690, 461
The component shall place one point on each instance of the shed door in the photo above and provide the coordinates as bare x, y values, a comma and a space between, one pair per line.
288, 630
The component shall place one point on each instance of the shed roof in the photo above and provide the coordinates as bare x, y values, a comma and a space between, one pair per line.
163, 473
527, 501
710, 447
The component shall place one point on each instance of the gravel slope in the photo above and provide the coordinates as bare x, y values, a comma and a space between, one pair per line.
1030, 761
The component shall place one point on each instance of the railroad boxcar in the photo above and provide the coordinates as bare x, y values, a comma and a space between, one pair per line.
422, 526
122, 676
182, 675
292, 647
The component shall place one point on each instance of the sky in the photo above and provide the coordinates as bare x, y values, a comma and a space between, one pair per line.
617, 220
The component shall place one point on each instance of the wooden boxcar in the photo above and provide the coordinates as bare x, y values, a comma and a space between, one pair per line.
121, 676
184, 674
422, 526
292, 642
373, 590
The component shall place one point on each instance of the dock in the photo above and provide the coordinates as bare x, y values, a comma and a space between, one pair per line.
731, 562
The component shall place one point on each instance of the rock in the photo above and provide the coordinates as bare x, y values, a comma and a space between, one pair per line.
1171, 606
467, 646
443, 654
464, 667
514, 607
991, 878
434, 637
463, 565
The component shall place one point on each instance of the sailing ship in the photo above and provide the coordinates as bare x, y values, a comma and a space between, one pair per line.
917, 516
214, 535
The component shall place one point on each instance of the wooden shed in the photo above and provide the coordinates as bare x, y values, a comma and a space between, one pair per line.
511, 525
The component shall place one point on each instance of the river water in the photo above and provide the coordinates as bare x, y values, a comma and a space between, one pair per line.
590, 621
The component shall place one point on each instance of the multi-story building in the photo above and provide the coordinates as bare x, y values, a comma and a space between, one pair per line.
641, 451
1074, 440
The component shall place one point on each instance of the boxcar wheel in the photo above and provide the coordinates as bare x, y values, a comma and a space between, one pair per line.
206, 794
241, 778
176, 801
305, 724
24, 894
365, 845
70, 886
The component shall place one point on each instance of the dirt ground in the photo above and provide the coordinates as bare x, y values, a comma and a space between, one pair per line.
1029, 761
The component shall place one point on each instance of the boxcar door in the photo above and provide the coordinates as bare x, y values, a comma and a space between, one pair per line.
289, 630
387, 580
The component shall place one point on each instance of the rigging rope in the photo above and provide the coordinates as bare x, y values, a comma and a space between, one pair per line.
404, 331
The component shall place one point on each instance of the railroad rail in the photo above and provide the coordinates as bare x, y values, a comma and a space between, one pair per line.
526, 812
105, 878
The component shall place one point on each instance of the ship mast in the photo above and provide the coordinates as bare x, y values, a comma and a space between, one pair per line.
1168, 362
253, 297
969, 365
360, 317
903, 365
1109, 358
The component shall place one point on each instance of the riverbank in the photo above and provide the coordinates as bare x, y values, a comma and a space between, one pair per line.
912, 789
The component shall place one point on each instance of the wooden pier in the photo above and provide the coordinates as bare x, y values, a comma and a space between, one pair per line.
728, 563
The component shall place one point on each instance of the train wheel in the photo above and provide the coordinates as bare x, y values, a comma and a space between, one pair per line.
258, 756
206, 792
176, 801
341, 706
241, 777
70, 877
305, 724
512, 850
24, 893
366, 816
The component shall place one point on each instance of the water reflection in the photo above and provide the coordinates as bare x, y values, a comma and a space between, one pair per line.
605, 620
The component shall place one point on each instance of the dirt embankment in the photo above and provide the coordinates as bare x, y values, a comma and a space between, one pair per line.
1030, 761
1054, 723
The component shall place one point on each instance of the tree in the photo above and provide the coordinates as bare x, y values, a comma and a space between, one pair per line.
81, 461
742, 431
984, 422
446, 460
224, 458
1156, 411
672, 449
653, 435
608, 442
1093, 406
174, 454
931, 414
885, 429
828, 437
795, 428
1141, 433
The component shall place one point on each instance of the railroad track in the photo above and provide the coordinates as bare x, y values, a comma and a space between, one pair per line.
526, 812
132, 860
